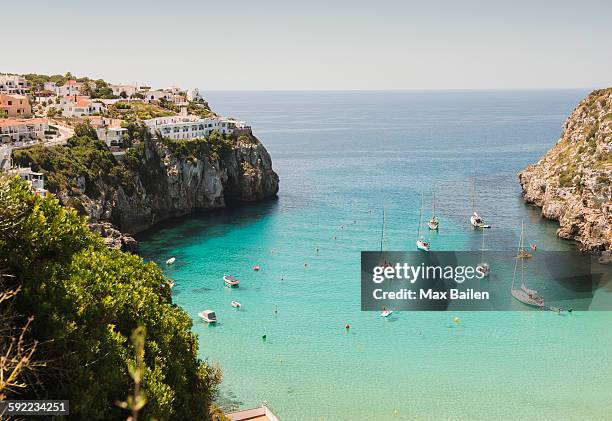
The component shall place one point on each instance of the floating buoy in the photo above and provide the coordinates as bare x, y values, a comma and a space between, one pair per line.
264, 337
347, 326
256, 268
456, 320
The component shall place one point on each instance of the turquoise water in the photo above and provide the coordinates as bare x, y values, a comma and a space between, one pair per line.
341, 157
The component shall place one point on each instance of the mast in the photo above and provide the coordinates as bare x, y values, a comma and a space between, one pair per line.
434, 205
382, 229
482, 249
518, 252
420, 218
522, 259
474, 194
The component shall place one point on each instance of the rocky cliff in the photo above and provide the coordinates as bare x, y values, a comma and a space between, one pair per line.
571, 183
176, 178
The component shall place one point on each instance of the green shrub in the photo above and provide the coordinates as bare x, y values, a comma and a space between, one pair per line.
86, 301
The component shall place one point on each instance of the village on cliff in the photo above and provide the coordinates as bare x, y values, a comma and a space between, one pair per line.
44, 110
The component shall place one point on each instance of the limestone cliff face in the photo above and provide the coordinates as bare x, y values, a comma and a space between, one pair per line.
170, 182
571, 183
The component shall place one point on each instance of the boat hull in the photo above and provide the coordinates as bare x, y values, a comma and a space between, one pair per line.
527, 299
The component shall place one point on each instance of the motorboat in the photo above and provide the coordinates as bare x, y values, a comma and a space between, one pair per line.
236, 304
230, 281
208, 316
170, 260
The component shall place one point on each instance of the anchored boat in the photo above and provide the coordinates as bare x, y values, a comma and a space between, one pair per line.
208, 316
475, 219
525, 295
433, 223
230, 281
483, 267
421, 244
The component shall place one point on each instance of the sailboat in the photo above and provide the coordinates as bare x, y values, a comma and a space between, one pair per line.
475, 219
383, 237
433, 222
421, 244
483, 267
525, 295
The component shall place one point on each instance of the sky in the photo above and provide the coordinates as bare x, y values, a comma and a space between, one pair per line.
315, 45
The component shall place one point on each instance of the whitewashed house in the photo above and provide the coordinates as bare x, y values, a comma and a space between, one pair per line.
128, 89
192, 126
21, 132
152, 96
70, 88
78, 106
193, 95
36, 180
109, 130
13, 84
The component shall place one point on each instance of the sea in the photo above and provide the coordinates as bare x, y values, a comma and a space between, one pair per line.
343, 157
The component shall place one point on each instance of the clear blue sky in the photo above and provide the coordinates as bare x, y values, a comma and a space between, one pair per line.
331, 44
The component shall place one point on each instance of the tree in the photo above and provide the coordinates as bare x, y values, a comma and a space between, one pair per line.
87, 301
84, 129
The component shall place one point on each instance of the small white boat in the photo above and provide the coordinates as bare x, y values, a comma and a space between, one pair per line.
236, 304
170, 260
478, 222
529, 299
422, 245
483, 268
386, 313
433, 224
208, 316
230, 281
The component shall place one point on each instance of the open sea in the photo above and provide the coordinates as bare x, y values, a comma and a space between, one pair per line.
341, 158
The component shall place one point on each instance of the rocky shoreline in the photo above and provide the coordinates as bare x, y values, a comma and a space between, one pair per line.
168, 179
571, 182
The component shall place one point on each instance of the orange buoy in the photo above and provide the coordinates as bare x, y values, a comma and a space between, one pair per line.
347, 326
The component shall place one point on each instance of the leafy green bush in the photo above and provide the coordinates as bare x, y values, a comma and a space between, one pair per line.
214, 146
86, 301
80, 157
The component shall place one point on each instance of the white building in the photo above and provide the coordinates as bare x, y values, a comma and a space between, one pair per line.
36, 180
71, 87
193, 95
51, 87
151, 96
192, 126
78, 106
13, 84
109, 130
128, 89
23, 131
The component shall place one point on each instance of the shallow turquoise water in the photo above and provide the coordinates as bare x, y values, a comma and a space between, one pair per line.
341, 157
